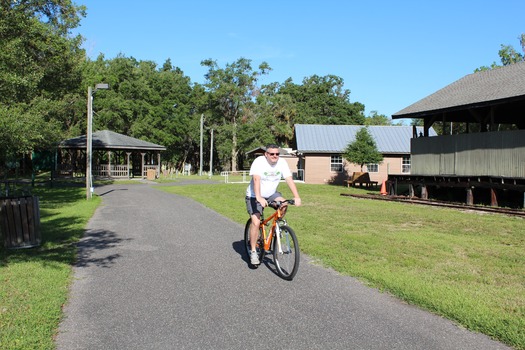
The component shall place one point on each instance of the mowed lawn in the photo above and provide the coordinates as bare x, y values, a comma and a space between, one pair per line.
34, 283
464, 265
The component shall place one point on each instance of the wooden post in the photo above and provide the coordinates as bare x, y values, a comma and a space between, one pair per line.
129, 154
411, 190
158, 164
493, 198
142, 166
109, 163
424, 193
470, 196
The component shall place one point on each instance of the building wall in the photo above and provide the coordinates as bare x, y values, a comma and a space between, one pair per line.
292, 162
500, 154
317, 169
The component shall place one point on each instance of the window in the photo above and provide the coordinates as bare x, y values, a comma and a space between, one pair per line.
405, 166
336, 163
372, 168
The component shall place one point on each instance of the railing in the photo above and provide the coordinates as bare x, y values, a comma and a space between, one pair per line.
69, 170
112, 170
244, 177
150, 167
236, 176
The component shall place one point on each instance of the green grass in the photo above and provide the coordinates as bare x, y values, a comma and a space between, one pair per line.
466, 266
34, 283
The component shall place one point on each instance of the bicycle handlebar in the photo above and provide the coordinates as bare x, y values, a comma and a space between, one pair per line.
277, 204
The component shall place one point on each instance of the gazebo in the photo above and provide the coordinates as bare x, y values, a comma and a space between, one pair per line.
114, 156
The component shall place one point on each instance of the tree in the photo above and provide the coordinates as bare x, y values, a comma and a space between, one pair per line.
232, 91
508, 55
146, 102
377, 119
322, 100
39, 67
363, 149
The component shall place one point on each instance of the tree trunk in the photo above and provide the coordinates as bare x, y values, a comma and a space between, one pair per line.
234, 147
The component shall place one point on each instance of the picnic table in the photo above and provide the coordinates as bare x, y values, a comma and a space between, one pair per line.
361, 178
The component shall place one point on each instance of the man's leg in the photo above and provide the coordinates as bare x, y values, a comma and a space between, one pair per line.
255, 210
254, 230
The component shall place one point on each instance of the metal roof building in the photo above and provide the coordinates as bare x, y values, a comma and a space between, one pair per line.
495, 96
485, 155
312, 138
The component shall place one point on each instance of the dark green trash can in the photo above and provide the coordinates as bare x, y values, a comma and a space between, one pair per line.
20, 222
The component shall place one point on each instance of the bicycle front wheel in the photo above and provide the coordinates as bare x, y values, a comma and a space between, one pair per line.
260, 244
287, 259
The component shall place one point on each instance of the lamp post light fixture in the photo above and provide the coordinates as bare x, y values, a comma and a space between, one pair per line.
89, 137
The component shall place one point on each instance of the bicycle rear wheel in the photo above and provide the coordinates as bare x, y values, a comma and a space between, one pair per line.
260, 244
286, 261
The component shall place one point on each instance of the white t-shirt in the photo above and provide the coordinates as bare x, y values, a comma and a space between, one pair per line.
270, 175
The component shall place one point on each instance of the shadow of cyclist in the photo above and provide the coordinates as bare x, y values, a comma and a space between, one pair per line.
267, 259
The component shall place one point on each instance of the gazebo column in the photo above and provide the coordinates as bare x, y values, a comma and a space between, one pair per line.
158, 164
142, 166
109, 163
129, 155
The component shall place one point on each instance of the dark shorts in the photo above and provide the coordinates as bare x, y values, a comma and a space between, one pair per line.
254, 207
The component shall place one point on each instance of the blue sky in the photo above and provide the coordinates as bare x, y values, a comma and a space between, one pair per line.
389, 53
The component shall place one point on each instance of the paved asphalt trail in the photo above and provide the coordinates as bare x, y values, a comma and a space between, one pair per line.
159, 271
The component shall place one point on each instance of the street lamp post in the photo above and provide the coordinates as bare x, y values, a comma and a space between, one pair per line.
200, 162
89, 137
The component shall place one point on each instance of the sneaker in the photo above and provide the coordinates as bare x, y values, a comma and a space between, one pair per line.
254, 258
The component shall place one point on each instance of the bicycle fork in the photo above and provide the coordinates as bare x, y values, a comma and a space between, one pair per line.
277, 232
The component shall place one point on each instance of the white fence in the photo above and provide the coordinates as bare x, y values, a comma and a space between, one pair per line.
233, 177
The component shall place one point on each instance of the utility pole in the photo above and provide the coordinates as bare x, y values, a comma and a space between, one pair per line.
88, 141
211, 155
202, 128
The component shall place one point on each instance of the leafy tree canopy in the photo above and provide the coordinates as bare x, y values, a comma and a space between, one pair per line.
39, 66
322, 100
377, 119
363, 149
508, 55
232, 91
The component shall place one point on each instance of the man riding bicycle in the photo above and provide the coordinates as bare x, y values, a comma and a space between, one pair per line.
266, 172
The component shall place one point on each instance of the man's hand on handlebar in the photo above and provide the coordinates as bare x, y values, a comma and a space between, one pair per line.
262, 201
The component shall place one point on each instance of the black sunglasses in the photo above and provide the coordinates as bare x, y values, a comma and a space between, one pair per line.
273, 154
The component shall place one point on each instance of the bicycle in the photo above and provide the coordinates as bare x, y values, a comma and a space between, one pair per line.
285, 247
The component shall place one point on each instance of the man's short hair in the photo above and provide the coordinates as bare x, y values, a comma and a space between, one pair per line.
271, 145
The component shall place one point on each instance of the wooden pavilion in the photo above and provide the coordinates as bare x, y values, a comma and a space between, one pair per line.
114, 156
486, 159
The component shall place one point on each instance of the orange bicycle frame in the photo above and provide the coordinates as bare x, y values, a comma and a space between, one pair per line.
267, 237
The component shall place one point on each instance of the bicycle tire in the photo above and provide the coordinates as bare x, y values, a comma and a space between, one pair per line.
287, 262
260, 244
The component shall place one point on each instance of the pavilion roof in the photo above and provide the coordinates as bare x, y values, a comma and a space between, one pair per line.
106, 139
503, 87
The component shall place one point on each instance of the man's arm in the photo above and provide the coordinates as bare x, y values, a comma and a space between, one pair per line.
257, 190
293, 188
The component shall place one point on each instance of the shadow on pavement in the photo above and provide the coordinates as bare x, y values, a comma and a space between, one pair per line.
94, 242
